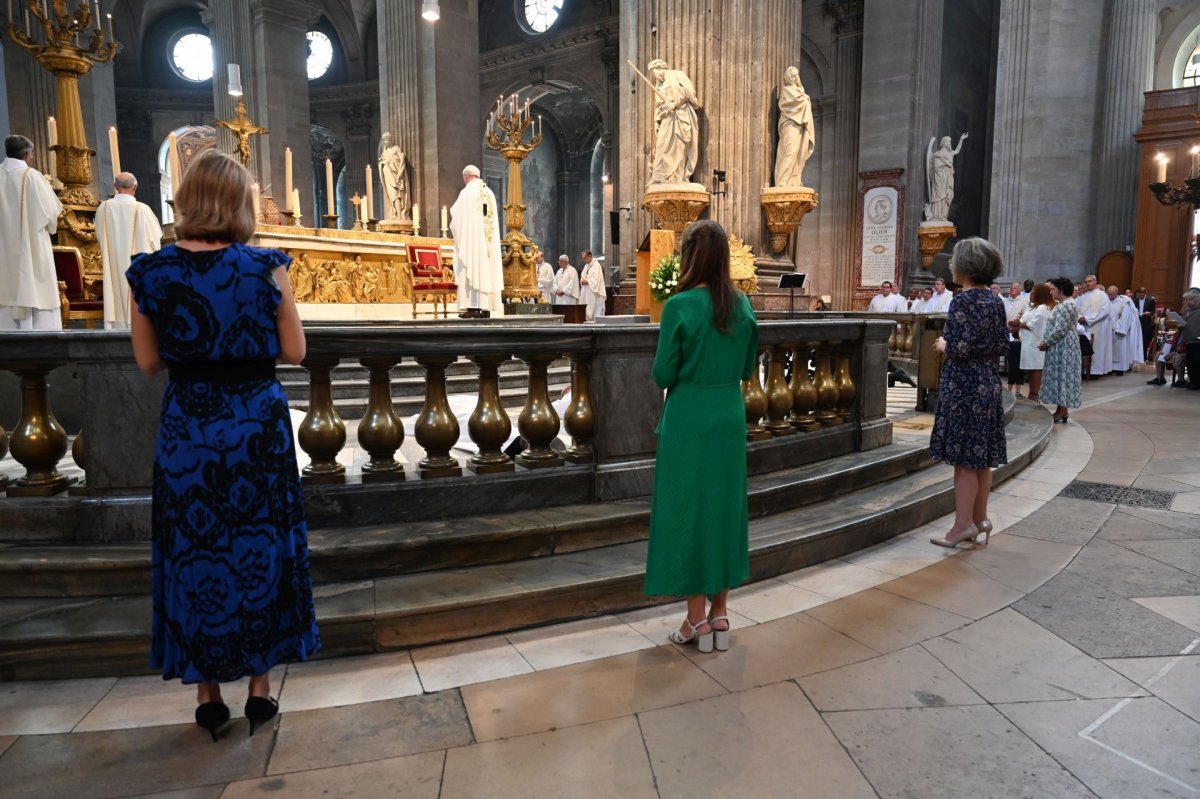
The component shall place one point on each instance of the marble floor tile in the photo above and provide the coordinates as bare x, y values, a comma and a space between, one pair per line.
835, 579
1008, 658
1019, 487
1155, 744
768, 600
6, 741
1020, 563
1018, 507
465, 662
1122, 527
1187, 503
349, 681
899, 557
744, 745
656, 623
779, 650
949, 752
955, 586
1129, 574
585, 692
1183, 610
411, 777
41, 708
360, 733
1158, 482
1112, 478
1064, 520
604, 758
886, 622
909, 677
1056, 476
1181, 553
1175, 680
204, 792
1104, 460
1179, 522
577, 641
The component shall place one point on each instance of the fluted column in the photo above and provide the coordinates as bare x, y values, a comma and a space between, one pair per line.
1128, 73
228, 23
848, 60
1012, 77
30, 94
358, 156
399, 24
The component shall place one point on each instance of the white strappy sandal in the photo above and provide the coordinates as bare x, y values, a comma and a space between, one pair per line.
704, 641
720, 637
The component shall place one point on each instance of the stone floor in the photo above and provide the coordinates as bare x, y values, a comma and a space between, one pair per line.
1063, 659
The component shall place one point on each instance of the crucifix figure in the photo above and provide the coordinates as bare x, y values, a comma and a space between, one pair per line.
241, 127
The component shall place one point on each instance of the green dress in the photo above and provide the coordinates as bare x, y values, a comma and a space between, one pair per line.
699, 540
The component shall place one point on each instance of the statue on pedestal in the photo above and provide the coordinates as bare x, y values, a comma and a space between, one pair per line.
393, 174
939, 178
797, 139
676, 132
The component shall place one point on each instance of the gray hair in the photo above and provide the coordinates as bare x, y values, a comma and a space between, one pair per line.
1191, 294
125, 180
17, 147
471, 169
977, 260
564, 258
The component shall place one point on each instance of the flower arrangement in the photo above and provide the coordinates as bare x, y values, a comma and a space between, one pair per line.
664, 277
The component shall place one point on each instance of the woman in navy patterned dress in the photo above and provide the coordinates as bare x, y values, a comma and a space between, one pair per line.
968, 432
232, 593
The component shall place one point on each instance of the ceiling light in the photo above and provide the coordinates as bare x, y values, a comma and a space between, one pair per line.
430, 10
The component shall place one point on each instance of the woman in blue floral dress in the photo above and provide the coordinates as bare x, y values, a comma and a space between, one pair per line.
1061, 376
231, 588
968, 432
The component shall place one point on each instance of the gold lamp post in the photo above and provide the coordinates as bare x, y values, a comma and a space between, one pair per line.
507, 126
66, 38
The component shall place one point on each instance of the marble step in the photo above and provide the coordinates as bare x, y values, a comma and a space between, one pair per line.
89, 637
364, 552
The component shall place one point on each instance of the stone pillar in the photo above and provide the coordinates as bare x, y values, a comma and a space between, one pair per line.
1128, 73
848, 49
1012, 107
30, 92
98, 98
228, 23
359, 153
568, 204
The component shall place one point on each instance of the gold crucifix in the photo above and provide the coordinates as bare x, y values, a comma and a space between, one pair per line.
243, 128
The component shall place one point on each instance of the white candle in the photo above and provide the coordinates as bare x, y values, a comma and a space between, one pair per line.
116, 152
527, 108
287, 180
235, 79
96, 15
370, 193
1162, 168
362, 206
257, 203
111, 38
499, 99
416, 217
539, 130
445, 219
1195, 161
296, 203
52, 134
329, 186
28, 33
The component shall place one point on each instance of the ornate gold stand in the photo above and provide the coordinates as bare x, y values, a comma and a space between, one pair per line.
785, 208
676, 205
518, 251
933, 237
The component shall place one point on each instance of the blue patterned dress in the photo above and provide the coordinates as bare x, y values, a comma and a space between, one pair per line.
969, 428
1061, 384
232, 593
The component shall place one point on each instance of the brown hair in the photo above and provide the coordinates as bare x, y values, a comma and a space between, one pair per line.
704, 260
1041, 295
215, 203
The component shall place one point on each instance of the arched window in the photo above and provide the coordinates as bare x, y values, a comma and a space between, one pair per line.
320, 54
192, 140
1191, 71
190, 54
540, 15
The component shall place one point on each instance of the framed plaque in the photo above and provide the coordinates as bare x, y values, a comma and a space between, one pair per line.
879, 233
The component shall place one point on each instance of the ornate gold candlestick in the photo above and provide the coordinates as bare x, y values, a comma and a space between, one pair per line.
506, 135
242, 129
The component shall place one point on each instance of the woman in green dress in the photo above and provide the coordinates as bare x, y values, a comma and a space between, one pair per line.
708, 344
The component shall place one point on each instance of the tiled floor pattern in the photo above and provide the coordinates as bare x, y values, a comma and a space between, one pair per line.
1061, 660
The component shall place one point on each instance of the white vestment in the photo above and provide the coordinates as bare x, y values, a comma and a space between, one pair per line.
593, 294
545, 282
124, 228
477, 267
1014, 307
29, 212
1096, 311
566, 280
1032, 356
1127, 334
939, 303
892, 303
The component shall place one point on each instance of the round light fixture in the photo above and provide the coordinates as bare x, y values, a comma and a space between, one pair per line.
430, 10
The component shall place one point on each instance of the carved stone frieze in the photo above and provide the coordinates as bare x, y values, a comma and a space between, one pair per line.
847, 15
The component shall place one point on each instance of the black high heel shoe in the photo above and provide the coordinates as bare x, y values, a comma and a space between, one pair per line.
260, 709
212, 716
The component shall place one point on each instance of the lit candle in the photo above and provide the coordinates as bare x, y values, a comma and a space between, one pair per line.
176, 167
445, 219
362, 206
1162, 168
287, 178
257, 203
52, 135
111, 38
96, 13
370, 193
235, 80
527, 108
499, 98
296, 204
416, 218
28, 33
329, 186
116, 152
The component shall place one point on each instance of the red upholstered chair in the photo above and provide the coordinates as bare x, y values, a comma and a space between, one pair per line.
68, 265
431, 279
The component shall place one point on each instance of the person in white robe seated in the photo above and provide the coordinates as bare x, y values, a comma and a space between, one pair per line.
886, 301
477, 266
1095, 315
29, 212
124, 228
940, 301
566, 283
1127, 332
545, 278
591, 286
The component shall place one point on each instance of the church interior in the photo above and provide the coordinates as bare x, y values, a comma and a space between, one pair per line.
477, 481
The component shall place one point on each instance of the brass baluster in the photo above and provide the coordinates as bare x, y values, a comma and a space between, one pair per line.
779, 396
380, 431
756, 404
322, 433
828, 392
78, 453
580, 418
892, 339
538, 422
489, 425
38, 441
912, 337
437, 428
804, 393
846, 388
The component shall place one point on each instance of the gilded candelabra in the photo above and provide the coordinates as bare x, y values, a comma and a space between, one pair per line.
52, 33
506, 133
1189, 192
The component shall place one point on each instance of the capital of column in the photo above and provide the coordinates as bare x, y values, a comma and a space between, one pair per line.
299, 14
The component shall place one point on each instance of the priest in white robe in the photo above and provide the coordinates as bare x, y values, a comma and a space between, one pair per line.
1127, 331
940, 301
29, 212
545, 278
887, 302
477, 266
566, 283
124, 228
1095, 315
591, 287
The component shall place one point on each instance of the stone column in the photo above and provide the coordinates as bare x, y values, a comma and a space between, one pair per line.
359, 153
848, 48
30, 92
228, 23
98, 98
568, 203
1128, 73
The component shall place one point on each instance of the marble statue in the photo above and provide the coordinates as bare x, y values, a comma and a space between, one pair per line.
393, 174
676, 132
797, 140
939, 178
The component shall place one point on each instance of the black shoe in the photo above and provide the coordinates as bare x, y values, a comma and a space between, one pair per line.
212, 716
259, 709
1156, 382
903, 377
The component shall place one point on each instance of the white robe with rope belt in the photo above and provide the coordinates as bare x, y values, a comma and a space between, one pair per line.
124, 228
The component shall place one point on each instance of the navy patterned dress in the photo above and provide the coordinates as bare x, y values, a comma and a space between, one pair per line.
969, 428
232, 593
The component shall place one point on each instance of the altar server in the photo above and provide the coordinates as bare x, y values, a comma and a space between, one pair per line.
545, 278
477, 267
29, 213
1127, 331
124, 228
940, 301
887, 302
566, 283
1095, 314
591, 283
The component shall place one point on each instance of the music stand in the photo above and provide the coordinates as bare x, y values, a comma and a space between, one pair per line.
792, 281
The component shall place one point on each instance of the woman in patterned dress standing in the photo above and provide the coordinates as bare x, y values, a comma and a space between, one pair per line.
968, 432
232, 596
1062, 383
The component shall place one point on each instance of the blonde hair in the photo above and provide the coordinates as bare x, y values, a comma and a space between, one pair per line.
215, 202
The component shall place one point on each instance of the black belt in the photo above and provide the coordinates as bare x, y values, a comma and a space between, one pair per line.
244, 372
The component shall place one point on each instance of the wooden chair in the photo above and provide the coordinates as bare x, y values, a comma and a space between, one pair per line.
431, 279
68, 266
